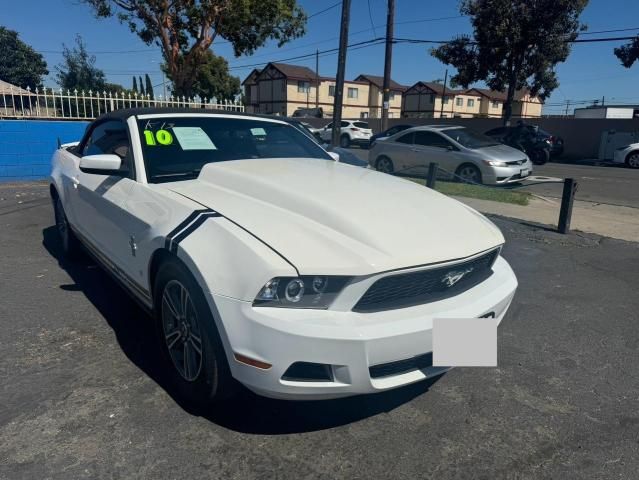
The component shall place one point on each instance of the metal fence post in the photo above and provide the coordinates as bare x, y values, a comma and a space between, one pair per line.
432, 175
567, 200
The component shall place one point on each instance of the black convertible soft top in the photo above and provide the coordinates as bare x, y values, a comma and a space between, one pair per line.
129, 112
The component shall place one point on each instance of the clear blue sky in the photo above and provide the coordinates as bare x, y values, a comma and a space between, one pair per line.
590, 72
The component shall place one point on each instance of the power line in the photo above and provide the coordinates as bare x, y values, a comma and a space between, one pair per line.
325, 10
370, 15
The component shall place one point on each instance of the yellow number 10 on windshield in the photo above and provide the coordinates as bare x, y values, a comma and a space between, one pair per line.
162, 137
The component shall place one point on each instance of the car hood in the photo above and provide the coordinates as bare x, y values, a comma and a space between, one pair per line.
502, 152
330, 218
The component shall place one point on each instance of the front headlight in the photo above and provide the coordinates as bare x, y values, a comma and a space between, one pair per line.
495, 163
308, 291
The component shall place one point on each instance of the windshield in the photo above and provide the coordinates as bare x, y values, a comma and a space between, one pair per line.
469, 138
176, 148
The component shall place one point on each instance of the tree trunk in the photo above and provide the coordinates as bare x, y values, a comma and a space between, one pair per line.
510, 95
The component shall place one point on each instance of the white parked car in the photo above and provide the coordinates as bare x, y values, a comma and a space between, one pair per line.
628, 154
352, 132
264, 261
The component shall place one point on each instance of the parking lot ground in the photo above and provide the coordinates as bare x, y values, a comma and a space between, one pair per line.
83, 394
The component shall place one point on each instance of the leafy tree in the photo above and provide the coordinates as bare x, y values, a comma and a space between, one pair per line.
20, 64
135, 84
148, 86
141, 85
186, 29
78, 70
515, 44
212, 79
628, 53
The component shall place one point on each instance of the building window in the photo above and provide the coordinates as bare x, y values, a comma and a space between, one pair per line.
331, 90
391, 114
363, 115
303, 87
431, 98
446, 100
459, 102
353, 92
391, 96
494, 104
470, 102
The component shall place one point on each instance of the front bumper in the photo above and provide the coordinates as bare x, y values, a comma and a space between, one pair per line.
505, 175
350, 342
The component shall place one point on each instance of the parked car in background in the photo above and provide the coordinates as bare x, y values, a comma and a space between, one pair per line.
309, 112
461, 152
260, 261
556, 143
628, 154
353, 132
314, 130
388, 133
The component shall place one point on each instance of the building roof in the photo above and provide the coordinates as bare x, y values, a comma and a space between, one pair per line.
379, 81
500, 96
254, 73
7, 88
438, 88
294, 71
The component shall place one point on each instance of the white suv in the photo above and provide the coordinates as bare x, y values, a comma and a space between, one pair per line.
352, 132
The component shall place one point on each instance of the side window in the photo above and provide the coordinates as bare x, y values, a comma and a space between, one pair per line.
392, 131
408, 138
109, 138
344, 124
330, 125
430, 139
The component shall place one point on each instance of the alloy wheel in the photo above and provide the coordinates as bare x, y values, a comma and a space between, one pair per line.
61, 224
181, 330
633, 160
384, 165
469, 174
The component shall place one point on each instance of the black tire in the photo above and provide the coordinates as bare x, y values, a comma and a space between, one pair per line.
344, 141
384, 164
469, 173
632, 159
71, 247
540, 156
198, 383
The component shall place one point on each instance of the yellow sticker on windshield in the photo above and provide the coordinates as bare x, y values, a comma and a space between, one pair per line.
161, 137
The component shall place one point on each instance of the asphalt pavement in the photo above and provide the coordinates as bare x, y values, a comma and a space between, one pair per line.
599, 182
83, 394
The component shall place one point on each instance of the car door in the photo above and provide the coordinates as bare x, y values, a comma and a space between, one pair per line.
430, 147
99, 200
399, 151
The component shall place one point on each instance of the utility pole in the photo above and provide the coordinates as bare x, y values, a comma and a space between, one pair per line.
441, 112
567, 106
388, 59
317, 82
341, 71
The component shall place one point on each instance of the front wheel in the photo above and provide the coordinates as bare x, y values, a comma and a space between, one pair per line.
344, 141
468, 173
71, 247
539, 156
632, 160
189, 337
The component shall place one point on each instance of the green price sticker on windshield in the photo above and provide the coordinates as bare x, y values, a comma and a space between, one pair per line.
161, 137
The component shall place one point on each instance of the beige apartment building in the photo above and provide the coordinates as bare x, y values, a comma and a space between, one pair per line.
281, 89
424, 100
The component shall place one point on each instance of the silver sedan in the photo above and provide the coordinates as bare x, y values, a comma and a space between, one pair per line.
459, 152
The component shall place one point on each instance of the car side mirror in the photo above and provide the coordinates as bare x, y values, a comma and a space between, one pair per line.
103, 164
334, 156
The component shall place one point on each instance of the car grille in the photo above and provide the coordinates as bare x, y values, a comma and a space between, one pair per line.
401, 366
424, 286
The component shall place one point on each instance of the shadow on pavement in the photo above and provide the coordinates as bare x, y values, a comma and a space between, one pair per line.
247, 412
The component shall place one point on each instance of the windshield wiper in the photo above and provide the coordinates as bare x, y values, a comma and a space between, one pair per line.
191, 173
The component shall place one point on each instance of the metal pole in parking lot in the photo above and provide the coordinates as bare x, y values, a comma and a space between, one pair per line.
432, 175
567, 200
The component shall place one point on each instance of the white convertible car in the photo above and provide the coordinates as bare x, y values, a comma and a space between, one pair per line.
267, 262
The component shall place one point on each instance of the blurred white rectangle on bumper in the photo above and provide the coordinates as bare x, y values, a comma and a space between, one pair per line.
465, 342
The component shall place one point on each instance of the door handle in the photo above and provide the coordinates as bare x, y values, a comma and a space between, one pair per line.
75, 181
